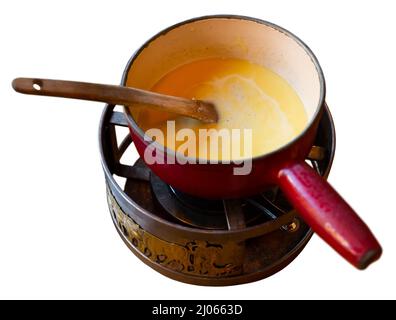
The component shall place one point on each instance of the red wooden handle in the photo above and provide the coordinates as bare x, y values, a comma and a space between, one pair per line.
329, 215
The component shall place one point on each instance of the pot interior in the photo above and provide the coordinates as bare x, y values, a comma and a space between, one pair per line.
231, 37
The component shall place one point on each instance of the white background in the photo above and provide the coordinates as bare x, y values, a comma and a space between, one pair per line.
56, 236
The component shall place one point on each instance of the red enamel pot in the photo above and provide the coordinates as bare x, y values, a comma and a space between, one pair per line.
276, 48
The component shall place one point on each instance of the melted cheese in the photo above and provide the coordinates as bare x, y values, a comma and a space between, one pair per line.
246, 96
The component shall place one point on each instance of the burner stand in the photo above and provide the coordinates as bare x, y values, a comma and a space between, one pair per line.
221, 242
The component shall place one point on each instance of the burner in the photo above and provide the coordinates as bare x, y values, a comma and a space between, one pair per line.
214, 214
208, 214
206, 242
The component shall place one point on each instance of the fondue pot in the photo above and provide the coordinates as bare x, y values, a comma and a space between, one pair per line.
269, 45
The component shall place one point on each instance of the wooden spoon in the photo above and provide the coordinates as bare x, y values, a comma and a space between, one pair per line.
197, 109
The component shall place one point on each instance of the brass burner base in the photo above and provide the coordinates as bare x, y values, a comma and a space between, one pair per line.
211, 264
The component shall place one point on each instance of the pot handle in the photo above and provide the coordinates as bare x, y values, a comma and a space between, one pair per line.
329, 215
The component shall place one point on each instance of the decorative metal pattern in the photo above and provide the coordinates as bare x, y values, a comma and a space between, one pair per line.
194, 257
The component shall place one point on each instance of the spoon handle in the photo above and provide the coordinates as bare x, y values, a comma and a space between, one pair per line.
113, 94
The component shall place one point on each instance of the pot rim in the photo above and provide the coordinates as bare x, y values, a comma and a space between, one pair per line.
133, 125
